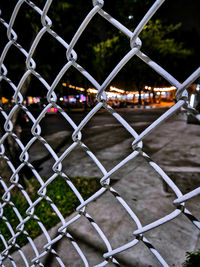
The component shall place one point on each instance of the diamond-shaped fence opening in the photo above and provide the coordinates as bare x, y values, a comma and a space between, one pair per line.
18, 216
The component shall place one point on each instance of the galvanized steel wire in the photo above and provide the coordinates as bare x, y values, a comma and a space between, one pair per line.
137, 144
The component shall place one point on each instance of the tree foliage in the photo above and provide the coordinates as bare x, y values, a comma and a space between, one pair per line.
157, 40
157, 37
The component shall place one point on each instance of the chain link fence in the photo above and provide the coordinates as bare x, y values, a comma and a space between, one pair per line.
8, 185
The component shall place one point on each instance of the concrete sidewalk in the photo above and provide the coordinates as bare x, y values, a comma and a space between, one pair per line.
175, 147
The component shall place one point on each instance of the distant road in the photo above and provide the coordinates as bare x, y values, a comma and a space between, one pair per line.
139, 119
55, 123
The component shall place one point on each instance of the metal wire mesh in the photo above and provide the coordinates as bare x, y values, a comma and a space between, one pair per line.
137, 145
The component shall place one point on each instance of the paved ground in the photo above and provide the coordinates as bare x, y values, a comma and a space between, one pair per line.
103, 134
175, 146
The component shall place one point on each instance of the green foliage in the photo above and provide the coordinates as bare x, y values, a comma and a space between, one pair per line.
61, 195
105, 50
158, 42
63, 5
192, 259
156, 36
